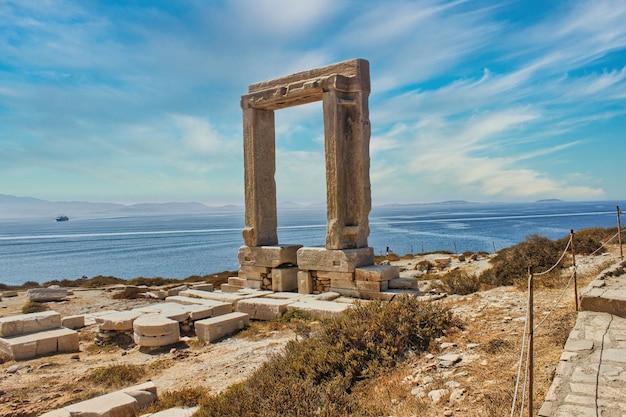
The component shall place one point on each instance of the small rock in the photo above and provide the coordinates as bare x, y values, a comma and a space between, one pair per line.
14, 368
418, 392
472, 345
44, 365
447, 345
453, 384
458, 395
448, 413
75, 357
436, 395
173, 350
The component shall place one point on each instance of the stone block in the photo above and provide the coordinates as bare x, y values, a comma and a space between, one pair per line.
255, 284
174, 291
171, 310
231, 298
29, 323
145, 394
121, 321
155, 325
305, 282
320, 309
263, 308
9, 294
217, 307
268, 256
229, 288
47, 294
376, 273
155, 330
202, 287
285, 279
115, 404
216, 328
254, 272
34, 344
338, 260
73, 322
236, 281
372, 285
199, 311
403, 284
368, 295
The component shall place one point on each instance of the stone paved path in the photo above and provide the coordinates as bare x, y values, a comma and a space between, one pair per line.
590, 379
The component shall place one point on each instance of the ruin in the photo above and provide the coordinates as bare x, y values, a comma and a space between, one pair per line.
346, 263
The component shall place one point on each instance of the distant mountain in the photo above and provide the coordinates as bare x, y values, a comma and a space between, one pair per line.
12, 207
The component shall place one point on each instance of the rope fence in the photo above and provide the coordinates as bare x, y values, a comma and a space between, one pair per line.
529, 329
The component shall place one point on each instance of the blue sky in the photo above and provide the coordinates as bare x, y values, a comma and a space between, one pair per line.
476, 100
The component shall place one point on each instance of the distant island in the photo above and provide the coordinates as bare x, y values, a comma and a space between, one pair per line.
549, 200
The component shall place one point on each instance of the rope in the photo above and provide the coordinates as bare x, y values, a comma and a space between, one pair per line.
560, 259
606, 243
519, 367
557, 301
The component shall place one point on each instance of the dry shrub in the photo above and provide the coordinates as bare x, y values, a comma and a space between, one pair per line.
316, 376
116, 375
460, 282
511, 264
185, 397
34, 307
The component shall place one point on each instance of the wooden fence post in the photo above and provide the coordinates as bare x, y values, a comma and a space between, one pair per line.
530, 341
619, 233
574, 261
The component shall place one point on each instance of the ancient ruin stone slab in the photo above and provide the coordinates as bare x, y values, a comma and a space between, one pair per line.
254, 272
376, 273
29, 323
155, 325
34, 344
320, 309
268, 256
120, 321
202, 287
305, 282
285, 279
47, 294
345, 260
403, 284
171, 310
155, 330
73, 322
216, 328
229, 288
116, 404
368, 295
217, 307
263, 308
372, 285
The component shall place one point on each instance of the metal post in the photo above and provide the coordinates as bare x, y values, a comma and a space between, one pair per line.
530, 330
574, 261
619, 233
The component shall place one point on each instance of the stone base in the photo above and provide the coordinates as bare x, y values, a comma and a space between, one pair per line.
268, 256
339, 260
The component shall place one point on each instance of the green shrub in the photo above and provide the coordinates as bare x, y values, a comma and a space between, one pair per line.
588, 241
314, 377
460, 282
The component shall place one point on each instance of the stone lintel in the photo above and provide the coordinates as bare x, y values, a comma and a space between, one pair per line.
268, 256
376, 273
337, 260
358, 68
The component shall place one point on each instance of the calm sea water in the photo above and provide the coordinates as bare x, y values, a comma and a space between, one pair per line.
177, 246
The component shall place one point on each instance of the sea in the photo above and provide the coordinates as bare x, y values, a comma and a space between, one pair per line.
182, 245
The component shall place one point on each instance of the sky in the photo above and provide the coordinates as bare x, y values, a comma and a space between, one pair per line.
138, 101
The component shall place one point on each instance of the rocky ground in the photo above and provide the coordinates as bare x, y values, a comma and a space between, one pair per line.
470, 372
